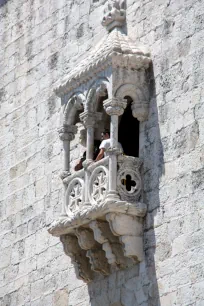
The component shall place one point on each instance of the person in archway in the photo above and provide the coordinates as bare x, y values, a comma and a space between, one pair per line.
79, 164
105, 145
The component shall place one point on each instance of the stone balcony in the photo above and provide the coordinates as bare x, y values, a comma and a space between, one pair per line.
102, 232
102, 216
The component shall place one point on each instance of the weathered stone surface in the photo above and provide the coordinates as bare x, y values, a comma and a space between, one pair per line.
41, 41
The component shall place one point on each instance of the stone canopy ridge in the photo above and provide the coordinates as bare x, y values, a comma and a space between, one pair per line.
116, 49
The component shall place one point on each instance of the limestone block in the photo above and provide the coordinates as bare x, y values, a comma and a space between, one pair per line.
30, 246
37, 289
37, 53
61, 297
42, 241
5, 255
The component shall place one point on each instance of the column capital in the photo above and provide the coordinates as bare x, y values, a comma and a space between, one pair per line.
115, 106
89, 119
67, 132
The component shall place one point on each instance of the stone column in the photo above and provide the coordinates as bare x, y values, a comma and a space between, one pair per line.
66, 134
114, 107
89, 119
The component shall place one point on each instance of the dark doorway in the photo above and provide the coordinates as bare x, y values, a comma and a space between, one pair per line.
128, 134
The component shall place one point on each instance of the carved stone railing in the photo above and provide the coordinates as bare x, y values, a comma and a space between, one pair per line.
74, 195
102, 235
98, 181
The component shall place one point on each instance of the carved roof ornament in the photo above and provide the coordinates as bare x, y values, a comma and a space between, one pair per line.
116, 49
114, 14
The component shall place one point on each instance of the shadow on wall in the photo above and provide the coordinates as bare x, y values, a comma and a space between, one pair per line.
2, 2
153, 171
138, 285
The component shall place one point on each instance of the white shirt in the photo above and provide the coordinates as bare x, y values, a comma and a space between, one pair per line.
105, 144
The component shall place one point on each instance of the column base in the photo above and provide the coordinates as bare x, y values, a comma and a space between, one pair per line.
112, 196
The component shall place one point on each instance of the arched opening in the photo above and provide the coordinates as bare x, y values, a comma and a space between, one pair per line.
128, 134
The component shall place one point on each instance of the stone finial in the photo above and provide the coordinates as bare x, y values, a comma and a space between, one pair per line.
114, 14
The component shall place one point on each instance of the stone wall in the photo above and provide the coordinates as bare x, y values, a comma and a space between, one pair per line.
41, 40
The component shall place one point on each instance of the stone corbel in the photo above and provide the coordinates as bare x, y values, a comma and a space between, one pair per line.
110, 243
94, 252
129, 229
140, 110
78, 256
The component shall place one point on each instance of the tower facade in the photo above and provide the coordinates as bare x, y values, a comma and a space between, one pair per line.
126, 230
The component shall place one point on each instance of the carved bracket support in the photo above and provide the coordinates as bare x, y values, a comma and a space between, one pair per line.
129, 229
78, 256
110, 243
94, 252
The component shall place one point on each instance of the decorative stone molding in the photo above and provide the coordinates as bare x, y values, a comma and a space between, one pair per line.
78, 256
75, 194
116, 50
67, 224
129, 228
115, 106
98, 185
67, 132
101, 221
129, 179
89, 119
110, 243
95, 254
